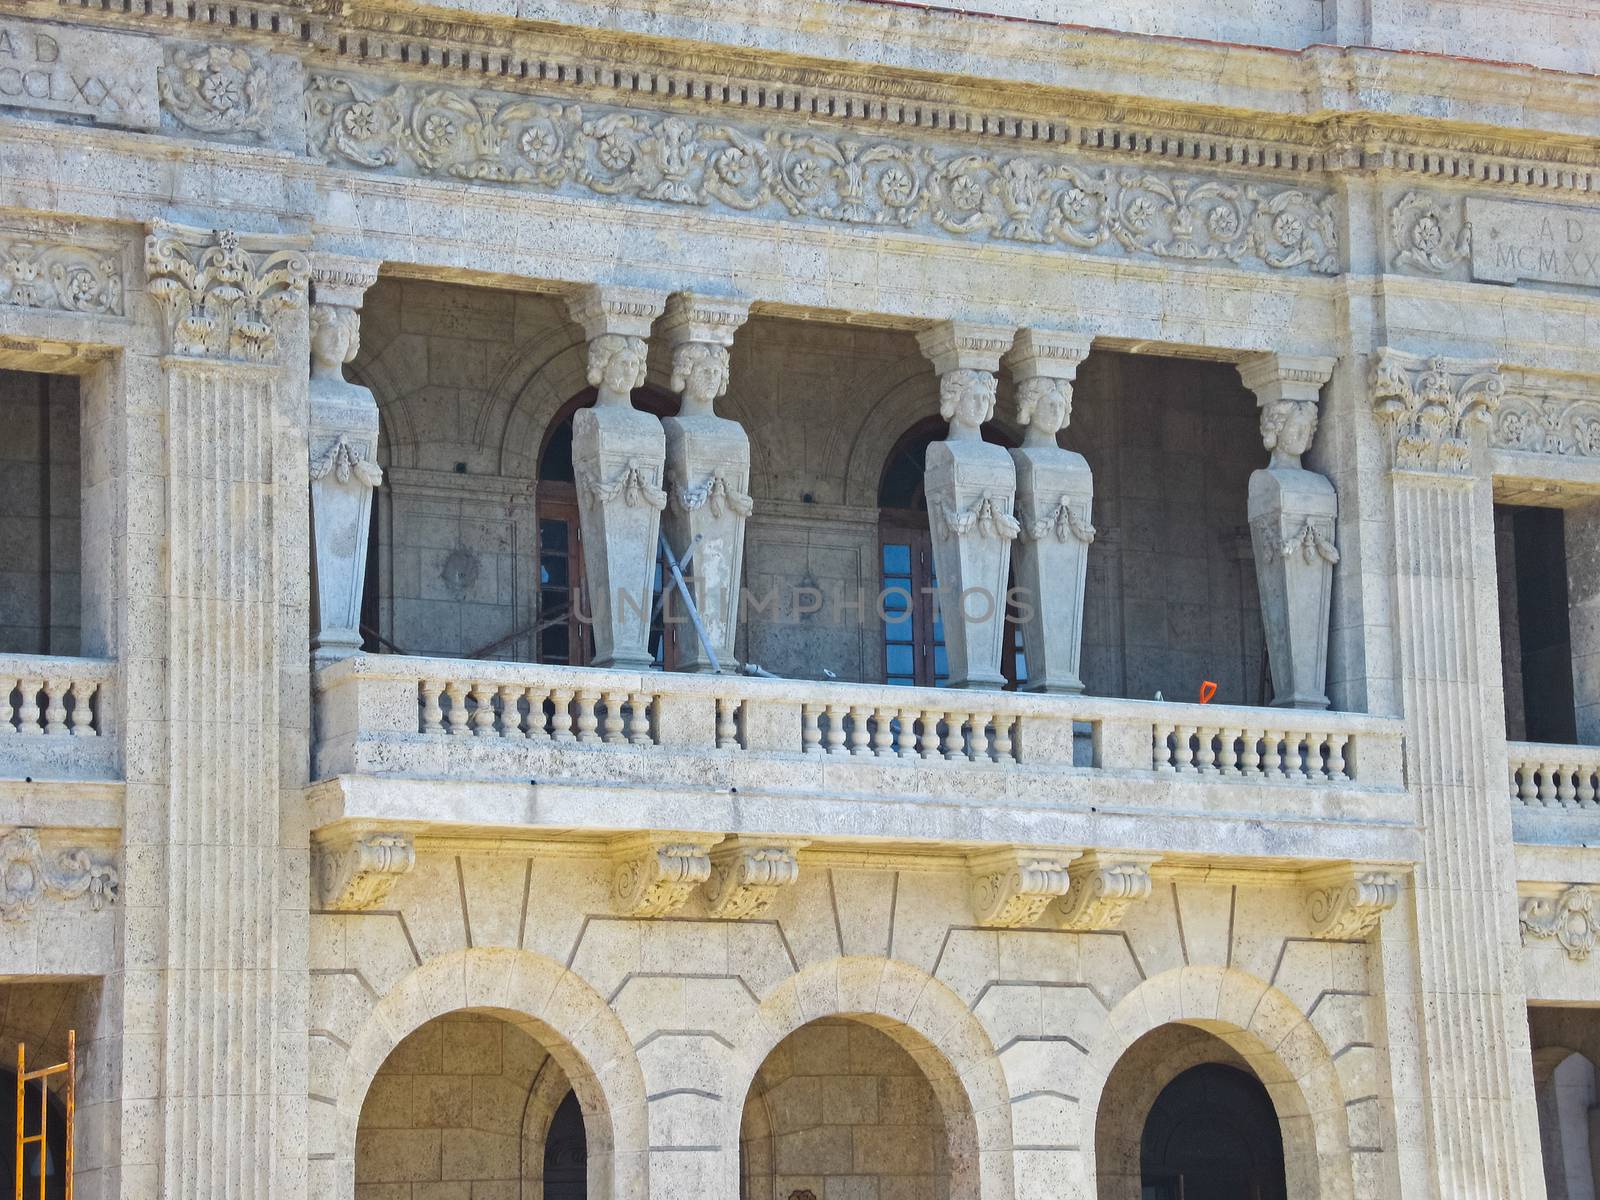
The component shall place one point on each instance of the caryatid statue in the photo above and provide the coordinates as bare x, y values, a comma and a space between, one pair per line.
708, 473
618, 454
1293, 513
344, 442
971, 489
1055, 497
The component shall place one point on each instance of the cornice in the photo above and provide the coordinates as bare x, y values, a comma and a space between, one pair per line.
1301, 112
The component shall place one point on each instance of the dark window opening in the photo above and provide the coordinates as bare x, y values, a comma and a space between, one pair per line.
40, 506
1537, 636
54, 1157
566, 1153
1212, 1134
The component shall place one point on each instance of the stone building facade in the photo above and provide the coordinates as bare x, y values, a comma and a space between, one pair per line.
1136, 732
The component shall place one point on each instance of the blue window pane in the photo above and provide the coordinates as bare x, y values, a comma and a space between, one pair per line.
901, 660
941, 665
938, 630
901, 680
896, 559
896, 601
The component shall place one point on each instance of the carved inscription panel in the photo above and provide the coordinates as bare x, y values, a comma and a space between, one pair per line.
55, 68
1537, 242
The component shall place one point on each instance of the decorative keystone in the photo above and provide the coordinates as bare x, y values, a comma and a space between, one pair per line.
356, 874
656, 872
746, 875
1346, 902
1569, 918
1013, 886
1104, 886
964, 346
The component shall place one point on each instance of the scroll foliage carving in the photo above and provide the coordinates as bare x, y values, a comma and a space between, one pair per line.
29, 875
1429, 236
852, 179
63, 277
1568, 918
219, 89
1548, 423
1351, 907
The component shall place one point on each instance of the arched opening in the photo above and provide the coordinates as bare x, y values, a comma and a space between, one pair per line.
562, 636
913, 632
854, 1106
472, 1102
1185, 1116
1566, 1089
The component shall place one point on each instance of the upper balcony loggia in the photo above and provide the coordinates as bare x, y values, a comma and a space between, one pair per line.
823, 481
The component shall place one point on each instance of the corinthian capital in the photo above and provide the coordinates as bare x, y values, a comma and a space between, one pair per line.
225, 294
1431, 406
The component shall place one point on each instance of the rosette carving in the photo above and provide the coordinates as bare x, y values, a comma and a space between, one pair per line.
220, 89
1428, 236
53, 275
1548, 423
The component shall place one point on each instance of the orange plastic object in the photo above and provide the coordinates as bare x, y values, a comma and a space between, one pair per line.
1207, 691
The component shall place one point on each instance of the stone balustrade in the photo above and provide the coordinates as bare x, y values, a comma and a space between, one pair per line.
1553, 776
56, 717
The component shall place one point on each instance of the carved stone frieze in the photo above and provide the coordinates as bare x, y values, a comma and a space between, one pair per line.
1569, 918
1104, 885
748, 873
1431, 406
357, 874
215, 89
1548, 422
225, 294
1348, 901
1012, 887
656, 872
30, 874
38, 272
1045, 199
1429, 235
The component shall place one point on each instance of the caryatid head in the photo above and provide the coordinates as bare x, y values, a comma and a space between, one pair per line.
616, 366
335, 338
1287, 427
1044, 406
699, 374
966, 400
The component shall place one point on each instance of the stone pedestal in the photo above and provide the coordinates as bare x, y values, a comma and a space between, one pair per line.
971, 490
1055, 497
344, 469
1292, 521
618, 456
708, 475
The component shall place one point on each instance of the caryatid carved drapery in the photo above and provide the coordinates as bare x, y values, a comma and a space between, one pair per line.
344, 442
1055, 498
1293, 513
708, 471
618, 460
971, 489
1431, 407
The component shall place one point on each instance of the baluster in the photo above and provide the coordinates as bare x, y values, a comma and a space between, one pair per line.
7, 724
1547, 784
1586, 795
836, 729
432, 719
1205, 750
906, 738
511, 711
1227, 756
1250, 756
1183, 760
483, 711
55, 713
611, 730
1336, 765
587, 723
1302, 749
1002, 737
1271, 754
560, 715
1565, 791
639, 719
456, 718
1160, 749
882, 734
859, 740
810, 734
82, 720
28, 710
949, 736
928, 737
727, 731
978, 737
1527, 792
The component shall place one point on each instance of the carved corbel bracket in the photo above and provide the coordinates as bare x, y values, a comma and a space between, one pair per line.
1105, 884
1345, 902
356, 873
604, 309
965, 346
341, 279
1047, 354
1276, 377
1565, 913
748, 873
1014, 885
657, 871
29, 874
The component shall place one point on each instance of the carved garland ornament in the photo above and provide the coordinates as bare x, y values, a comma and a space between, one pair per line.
346, 461
632, 485
29, 874
716, 494
224, 300
988, 517
853, 180
66, 278
1313, 540
1062, 522
1568, 918
1431, 407
220, 89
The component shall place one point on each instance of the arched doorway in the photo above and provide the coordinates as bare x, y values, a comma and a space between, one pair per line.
843, 1106
1212, 1134
467, 1103
913, 632
566, 1153
562, 634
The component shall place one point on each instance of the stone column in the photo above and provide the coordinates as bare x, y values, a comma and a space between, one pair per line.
1055, 498
618, 454
1476, 1066
216, 953
708, 472
344, 445
971, 489
1292, 517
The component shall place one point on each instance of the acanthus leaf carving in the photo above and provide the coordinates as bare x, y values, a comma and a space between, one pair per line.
747, 875
223, 298
656, 872
1348, 902
1568, 918
1431, 407
29, 875
852, 179
1104, 885
357, 875
346, 461
60, 276
1420, 228
216, 89
1012, 887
